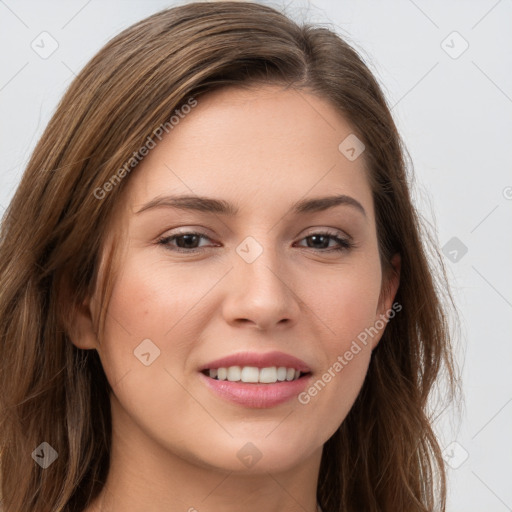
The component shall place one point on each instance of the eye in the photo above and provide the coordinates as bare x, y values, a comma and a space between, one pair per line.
188, 242
323, 239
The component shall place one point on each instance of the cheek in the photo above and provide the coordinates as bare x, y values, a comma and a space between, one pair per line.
347, 307
145, 347
152, 300
333, 391
346, 302
143, 306
146, 300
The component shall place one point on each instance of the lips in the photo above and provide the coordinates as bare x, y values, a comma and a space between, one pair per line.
250, 391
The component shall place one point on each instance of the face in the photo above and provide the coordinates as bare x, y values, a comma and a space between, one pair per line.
266, 275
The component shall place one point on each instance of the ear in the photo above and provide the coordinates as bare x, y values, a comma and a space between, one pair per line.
385, 311
81, 330
77, 320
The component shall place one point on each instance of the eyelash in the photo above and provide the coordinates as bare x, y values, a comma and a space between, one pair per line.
344, 243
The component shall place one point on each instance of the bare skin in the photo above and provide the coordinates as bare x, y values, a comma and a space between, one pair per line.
176, 443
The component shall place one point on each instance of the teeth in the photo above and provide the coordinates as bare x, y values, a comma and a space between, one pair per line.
250, 374
255, 375
234, 373
268, 375
281, 373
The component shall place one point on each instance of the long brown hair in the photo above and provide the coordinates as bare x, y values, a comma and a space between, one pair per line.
384, 456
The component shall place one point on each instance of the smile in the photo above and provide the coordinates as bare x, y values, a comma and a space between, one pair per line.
253, 374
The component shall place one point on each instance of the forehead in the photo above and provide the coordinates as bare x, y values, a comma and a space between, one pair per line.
256, 147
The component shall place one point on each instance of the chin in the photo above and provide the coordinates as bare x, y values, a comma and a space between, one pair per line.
252, 455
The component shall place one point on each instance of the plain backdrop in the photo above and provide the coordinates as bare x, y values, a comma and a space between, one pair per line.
446, 69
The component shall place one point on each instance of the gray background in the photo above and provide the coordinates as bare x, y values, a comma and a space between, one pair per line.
454, 110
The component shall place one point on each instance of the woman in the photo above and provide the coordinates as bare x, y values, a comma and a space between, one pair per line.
214, 290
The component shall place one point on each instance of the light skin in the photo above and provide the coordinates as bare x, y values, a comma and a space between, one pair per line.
175, 442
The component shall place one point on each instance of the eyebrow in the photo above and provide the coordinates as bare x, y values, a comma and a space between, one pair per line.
219, 206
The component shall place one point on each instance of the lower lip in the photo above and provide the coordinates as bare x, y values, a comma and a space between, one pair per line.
257, 395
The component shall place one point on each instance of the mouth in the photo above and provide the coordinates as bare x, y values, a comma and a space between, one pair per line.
254, 374
256, 380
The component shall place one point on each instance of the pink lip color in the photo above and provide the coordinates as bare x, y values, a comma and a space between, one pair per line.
257, 395
265, 360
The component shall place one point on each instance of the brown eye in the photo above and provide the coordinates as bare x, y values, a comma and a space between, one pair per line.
320, 241
184, 242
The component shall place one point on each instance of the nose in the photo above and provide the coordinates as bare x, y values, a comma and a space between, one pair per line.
261, 293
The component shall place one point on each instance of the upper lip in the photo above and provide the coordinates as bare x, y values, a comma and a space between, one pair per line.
264, 360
